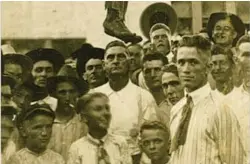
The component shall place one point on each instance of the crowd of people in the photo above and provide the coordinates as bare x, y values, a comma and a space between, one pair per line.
156, 102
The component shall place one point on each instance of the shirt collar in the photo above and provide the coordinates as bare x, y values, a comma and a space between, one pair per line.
96, 141
199, 94
35, 154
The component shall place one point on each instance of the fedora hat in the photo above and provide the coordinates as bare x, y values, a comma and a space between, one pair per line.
51, 55
84, 54
66, 73
235, 20
24, 61
158, 13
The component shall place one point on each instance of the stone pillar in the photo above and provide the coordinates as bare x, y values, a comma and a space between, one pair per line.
196, 16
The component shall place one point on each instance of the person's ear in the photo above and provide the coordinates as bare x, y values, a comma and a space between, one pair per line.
22, 131
84, 76
234, 34
83, 117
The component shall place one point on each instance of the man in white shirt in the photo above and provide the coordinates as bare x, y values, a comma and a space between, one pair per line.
98, 146
240, 101
201, 131
130, 104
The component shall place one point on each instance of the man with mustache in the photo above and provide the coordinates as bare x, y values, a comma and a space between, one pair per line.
240, 100
90, 65
130, 104
36, 127
199, 132
222, 69
46, 63
67, 127
160, 35
99, 146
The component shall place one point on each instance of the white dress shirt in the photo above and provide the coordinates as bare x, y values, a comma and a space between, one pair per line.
84, 150
240, 104
213, 134
129, 107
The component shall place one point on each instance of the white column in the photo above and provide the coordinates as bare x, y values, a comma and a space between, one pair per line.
196, 16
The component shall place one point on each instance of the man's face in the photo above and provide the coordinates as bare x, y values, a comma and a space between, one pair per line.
154, 143
192, 68
22, 98
146, 48
6, 94
223, 32
161, 41
152, 71
66, 93
15, 71
221, 68
116, 61
135, 53
94, 74
41, 71
244, 58
172, 87
37, 132
7, 127
98, 113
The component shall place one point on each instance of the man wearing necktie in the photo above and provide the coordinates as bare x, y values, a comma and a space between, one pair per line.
202, 131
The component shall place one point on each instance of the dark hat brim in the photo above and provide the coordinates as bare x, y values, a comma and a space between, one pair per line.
82, 86
235, 20
23, 60
51, 55
8, 110
84, 54
151, 10
6, 80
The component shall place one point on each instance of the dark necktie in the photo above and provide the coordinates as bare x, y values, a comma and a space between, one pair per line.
103, 157
181, 133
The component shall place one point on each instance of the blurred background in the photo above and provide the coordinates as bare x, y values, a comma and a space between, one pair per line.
65, 26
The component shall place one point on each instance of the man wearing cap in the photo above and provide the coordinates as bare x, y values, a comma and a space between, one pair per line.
240, 100
46, 63
8, 147
89, 65
225, 29
199, 132
36, 127
98, 146
130, 104
17, 66
67, 127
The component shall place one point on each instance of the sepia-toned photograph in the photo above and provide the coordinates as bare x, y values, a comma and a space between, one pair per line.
125, 82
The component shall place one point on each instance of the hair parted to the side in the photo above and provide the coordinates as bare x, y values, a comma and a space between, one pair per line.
135, 44
155, 125
202, 45
243, 39
115, 43
84, 100
158, 26
155, 55
218, 50
171, 68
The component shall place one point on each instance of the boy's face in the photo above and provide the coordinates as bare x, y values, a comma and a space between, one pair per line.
154, 143
37, 132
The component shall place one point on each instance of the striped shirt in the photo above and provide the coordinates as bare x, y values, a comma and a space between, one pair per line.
213, 135
64, 134
129, 107
25, 156
84, 150
239, 102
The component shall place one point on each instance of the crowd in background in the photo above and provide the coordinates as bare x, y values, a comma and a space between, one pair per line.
164, 100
